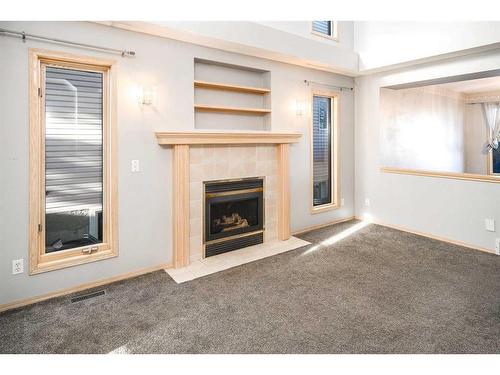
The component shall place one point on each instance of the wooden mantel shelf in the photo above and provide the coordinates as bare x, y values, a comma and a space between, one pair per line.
234, 137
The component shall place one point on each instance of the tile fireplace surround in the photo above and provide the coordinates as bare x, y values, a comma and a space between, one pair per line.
206, 156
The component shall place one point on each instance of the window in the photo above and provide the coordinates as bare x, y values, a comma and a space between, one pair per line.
73, 191
495, 161
324, 151
326, 29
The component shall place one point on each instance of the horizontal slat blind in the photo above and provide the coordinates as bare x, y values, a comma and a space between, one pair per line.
73, 139
322, 148
323, 27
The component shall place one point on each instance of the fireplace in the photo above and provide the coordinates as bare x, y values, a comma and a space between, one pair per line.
234, 215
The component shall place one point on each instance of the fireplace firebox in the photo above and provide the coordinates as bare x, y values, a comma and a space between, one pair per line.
234, 215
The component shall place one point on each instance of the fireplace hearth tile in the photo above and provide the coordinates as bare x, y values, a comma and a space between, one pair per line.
235, 258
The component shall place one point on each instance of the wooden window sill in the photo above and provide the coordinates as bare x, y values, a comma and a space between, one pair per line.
449, 175
324, 208
52, 262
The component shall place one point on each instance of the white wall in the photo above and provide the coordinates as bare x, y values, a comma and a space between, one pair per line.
476, 134
345, 31
260, 40
449, 208
145, 226
387, 43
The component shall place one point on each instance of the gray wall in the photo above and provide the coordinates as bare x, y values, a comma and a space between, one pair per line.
449, 208
145, 226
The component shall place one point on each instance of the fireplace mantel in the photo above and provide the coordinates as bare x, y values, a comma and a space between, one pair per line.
181, 142
233, 137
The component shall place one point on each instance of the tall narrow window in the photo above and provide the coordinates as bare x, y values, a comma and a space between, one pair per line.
324, 151
326, 29
73, 192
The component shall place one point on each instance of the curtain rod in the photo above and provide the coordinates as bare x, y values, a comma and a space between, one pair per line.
328, 85
485, 101
24, 36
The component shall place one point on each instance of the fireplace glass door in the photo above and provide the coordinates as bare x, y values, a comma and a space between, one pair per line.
229, 213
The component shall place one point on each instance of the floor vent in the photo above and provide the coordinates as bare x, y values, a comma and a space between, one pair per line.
88, 296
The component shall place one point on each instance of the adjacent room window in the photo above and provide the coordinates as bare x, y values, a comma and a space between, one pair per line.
73, 189
495, 161
324, 151
325, 28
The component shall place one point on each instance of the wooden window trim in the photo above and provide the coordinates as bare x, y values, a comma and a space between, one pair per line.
334, 35
450, 175
38, 259
335, 168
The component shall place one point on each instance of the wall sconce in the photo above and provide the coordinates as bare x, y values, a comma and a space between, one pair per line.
147, 96
300, 108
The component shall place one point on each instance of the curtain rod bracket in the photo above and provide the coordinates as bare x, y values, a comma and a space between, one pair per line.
24, 37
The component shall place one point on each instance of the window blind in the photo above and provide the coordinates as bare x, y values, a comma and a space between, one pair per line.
323, 27
73, 139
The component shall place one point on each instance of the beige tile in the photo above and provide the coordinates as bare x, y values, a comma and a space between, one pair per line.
249, 153
271, 183
195, 155
195, 227
195, 266
196, 172
235, 169
176, 271
235, 258
195, 209
217, 260
195, 190
270, 200
221, 153
209, 172
207, 270
270, 234
260, 167
208, 154
249, 168
195, 255
260, 153
195, 245
234, 153
187, 276
222, 168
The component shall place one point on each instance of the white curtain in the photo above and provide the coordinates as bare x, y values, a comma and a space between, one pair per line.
492, 114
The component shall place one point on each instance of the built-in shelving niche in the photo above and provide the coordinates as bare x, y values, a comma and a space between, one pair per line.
231, 97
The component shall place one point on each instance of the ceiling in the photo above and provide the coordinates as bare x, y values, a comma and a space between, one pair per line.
474, 86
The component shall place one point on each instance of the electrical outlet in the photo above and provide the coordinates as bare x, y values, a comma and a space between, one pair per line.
17, 266
134, 166
497, 246
342, 202
489, 224
367, 202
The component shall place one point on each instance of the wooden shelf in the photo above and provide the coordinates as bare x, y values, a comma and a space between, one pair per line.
227, 87
233, 110
220, 137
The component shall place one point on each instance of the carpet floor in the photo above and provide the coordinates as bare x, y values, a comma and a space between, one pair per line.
353, 290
